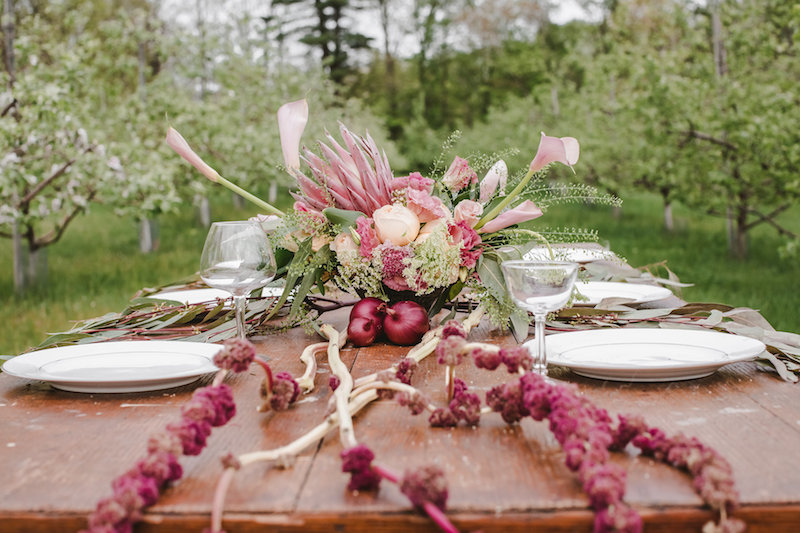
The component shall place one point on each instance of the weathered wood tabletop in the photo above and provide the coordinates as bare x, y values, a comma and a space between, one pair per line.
59, 451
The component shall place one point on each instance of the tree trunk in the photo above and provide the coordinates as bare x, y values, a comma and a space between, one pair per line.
8, 40
730, 229
238, 201
554, 100
272, 195
668, 222
202, 210
30, 265
740, 241
148, 235
19, 258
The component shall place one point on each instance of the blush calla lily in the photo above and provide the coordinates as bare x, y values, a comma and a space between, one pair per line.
525, 211
292, 119
564, 150
494, 179
176, 141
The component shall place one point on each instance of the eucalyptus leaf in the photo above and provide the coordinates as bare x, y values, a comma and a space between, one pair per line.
520, 323
293, 274
779, 367
342, 217
492, 276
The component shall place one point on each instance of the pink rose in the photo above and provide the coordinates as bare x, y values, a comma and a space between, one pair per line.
468, 211
396, 224
344, 243
459, 175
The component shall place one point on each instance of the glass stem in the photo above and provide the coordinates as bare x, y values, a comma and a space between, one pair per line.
239, 303
540, 359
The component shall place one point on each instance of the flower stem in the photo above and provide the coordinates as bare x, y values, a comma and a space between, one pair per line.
507, 200
386, 474
267, 371
246, 195
219, 499
439, 518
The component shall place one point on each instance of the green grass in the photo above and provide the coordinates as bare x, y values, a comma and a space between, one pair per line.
97, 267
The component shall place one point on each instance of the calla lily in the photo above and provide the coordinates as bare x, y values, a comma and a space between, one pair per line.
176, 141
551, 149
525, 211
497, 175
292, 119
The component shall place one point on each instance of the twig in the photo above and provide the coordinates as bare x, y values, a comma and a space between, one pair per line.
309, 358
342, 392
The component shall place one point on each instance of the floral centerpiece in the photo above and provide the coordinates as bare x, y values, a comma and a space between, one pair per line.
358, 226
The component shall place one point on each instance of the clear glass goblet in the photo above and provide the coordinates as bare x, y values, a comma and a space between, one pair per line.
540, 287
237, 257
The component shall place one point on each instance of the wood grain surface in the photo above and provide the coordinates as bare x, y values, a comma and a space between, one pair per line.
60, 450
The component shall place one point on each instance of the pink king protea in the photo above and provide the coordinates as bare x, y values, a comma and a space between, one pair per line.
355, 177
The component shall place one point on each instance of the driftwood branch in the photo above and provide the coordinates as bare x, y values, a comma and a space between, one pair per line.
56, 233
11, 105
52, 177
710, 138
769, 218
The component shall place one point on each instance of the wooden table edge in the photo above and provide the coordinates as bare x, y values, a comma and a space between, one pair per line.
759, 518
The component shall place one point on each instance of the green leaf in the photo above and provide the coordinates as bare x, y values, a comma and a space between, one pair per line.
491, 276
519, 325
342, 217
292, 275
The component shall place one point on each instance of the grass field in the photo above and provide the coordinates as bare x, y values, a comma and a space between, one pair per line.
96, 268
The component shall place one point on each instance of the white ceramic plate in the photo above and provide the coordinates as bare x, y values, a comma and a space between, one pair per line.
128, 366
193, 296
198, 296
569, 253
597, 291
648, 354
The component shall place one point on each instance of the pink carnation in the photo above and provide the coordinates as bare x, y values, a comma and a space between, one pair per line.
468, 240
415, 181
425, 206
369, 238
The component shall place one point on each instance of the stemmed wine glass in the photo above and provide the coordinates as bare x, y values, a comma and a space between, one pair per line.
540, 287
237, 257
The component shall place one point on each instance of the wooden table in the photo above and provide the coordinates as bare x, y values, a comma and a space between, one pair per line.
59, 452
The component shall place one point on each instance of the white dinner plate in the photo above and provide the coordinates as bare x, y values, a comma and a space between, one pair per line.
193, 296
199, 296
575, 254
125, 366
597, 291
648, 354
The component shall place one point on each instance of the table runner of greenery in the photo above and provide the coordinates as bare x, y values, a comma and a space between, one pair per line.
149, 318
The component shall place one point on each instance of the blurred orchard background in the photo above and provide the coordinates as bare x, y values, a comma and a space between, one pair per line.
687, 110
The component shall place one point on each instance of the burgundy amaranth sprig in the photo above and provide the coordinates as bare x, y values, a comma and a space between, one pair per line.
426, 487
449, 352
277, 391
236, 355
587, 433
139, 487
464, 406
